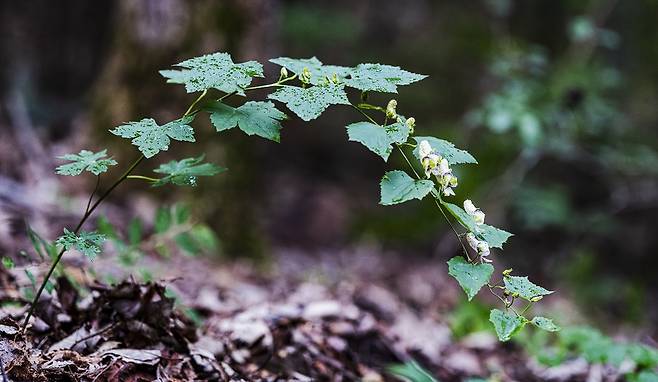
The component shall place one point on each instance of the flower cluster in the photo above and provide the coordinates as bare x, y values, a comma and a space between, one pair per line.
480, 246
438, 166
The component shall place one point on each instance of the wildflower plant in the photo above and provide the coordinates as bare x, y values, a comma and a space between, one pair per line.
307, 88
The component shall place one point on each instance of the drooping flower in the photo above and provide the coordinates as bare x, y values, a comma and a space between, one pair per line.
438, 166
476, 213
411, 125
472, 240
391, 113
446, 179
424, 149
480, 246
484, 251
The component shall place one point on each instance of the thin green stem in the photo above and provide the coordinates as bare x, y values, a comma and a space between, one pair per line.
367, 106
196, 101
141, 177
90, 210
365, 114
225, 96
408, 161
275, 84
98, 182
500, 298
454, 230
526, 308
86, 216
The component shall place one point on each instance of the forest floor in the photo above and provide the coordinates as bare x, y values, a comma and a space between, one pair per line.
342, 316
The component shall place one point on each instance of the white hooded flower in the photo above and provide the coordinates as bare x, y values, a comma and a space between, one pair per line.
483, 249
431, 164
476, 213
448, 191
444, 167
424, 149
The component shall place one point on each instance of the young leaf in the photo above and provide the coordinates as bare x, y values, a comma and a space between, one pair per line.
447, 150
506, 323
319, 72
96, 163
86, 242
398, 187
471, 277
524, 288
150, 138
411, 371
216, 71
309, 103
254, 118
186, 171
545, 324
380, 78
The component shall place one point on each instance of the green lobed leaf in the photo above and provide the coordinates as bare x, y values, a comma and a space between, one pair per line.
506, 323
216, 71
411, 371
86, 242
253, 118
377, 138
471, 277
495, 237
95, 163
319, 72
447, 150
186, 171
398, 187
545, 324
309, 103
524, 288
150, 138
380, 78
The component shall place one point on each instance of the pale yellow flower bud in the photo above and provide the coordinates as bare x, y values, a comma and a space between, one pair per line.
390, 109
